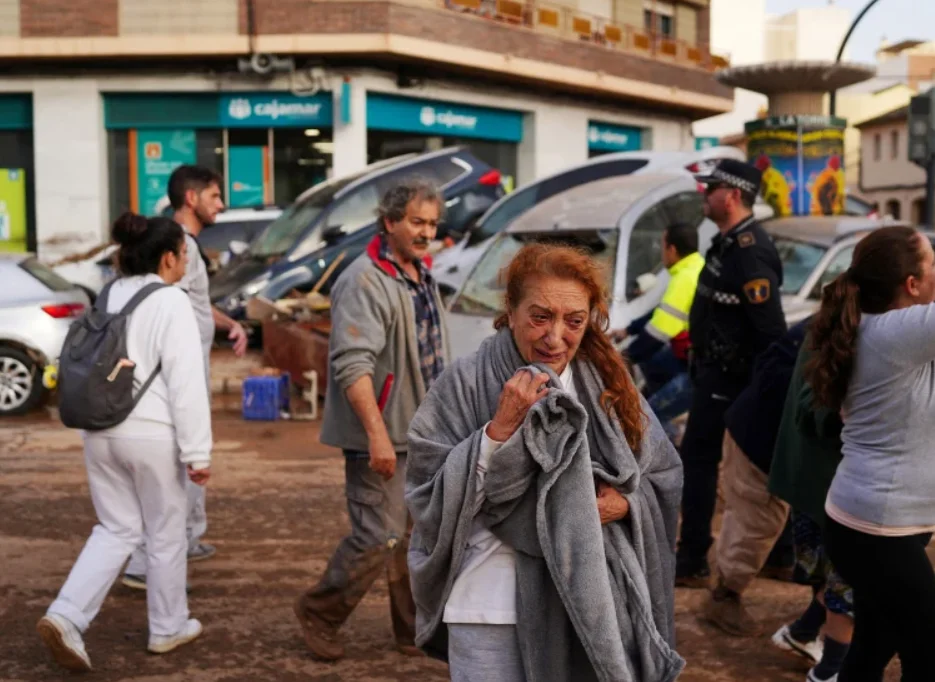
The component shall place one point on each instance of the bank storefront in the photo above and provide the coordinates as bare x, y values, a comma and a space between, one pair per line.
401, 124
17, 191
269, 147
607, 138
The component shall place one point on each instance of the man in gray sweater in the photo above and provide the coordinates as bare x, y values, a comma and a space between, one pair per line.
388, 344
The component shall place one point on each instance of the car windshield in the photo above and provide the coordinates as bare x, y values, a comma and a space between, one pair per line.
799, 260
282, 234
484, 290
525, 198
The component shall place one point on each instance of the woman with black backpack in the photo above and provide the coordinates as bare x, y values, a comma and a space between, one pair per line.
139, 453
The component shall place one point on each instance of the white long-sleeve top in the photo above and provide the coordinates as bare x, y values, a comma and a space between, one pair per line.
176, 406
485, 590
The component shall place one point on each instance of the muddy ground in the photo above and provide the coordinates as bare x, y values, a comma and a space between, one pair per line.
276, 510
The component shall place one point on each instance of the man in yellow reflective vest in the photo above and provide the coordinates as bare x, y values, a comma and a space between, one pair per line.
660, 345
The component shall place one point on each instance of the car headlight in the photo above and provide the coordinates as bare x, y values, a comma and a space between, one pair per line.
254, 287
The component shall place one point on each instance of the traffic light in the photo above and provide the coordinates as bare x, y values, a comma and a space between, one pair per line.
922, 128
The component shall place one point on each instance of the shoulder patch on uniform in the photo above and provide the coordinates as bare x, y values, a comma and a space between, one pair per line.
757, 290
745, 239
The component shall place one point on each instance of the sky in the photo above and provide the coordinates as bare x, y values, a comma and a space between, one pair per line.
895, 19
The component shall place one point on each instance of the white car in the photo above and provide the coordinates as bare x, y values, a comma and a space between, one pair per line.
619, 219
36, 309
452, 266
814, 250
234, 227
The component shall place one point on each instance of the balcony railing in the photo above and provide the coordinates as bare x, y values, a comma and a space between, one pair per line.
566, 22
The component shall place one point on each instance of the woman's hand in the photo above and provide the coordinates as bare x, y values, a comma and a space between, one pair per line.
611, 505
198, 476
519, 394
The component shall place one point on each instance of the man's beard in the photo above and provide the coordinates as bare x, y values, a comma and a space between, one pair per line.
204, 217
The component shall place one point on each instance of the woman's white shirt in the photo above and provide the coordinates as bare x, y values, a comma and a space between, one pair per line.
176, 406
485, 590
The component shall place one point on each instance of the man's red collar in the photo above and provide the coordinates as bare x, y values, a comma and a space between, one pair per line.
388, 266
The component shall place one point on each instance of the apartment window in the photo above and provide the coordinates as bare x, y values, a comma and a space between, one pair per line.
894, 144
877, 147
659, 18
894, 209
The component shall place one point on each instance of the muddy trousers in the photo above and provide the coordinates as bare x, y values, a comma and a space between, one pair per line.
137, 487
753, 520
379, 540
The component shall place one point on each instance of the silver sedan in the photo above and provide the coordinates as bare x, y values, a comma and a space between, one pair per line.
36, 309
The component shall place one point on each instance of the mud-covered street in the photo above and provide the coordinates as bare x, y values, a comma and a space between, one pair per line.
276, 511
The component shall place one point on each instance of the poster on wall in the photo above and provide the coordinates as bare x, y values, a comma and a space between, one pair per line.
802, 160
12, 210
158, 153
248, 181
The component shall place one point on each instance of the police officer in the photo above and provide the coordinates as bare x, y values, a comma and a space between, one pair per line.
736, 314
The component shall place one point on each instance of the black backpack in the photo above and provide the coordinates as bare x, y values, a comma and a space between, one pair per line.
95, 393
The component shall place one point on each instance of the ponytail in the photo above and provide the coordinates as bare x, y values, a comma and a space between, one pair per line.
620, 394
883, 260
833, 341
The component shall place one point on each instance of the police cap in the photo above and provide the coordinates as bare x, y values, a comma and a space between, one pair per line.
743, 176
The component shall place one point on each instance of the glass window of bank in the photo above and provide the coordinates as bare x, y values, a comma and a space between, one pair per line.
401, 125
17, 188
268, 147
608, 138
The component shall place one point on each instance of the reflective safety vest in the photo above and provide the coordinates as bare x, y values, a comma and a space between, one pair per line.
669, 322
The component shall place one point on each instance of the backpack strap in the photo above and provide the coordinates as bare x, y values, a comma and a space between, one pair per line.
140, 295
100, 303
146, 384
131, 305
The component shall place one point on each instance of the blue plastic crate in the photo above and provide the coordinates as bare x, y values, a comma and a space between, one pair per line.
265, 397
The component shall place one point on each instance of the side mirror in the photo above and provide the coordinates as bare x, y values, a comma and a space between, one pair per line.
332, 233
238, 247
443, 232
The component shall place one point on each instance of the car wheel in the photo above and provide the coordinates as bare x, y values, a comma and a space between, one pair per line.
20, 382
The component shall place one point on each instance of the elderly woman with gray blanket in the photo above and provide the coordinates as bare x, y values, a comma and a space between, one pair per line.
545, 496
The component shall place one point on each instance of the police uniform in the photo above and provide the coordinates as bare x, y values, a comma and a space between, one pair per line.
736, 314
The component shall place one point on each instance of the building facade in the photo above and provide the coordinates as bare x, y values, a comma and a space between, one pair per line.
887, 176
743, 30
101, 100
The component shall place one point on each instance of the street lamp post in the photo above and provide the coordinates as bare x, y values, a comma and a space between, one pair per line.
834, 93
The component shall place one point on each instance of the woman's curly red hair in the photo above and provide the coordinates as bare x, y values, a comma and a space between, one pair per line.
565, 262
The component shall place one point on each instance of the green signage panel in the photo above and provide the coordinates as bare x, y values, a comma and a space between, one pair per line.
12, 210
159, 152
246, 176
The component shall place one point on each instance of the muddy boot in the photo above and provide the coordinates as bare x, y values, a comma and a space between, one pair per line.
321, 638
322, 610
724, 608
402, 606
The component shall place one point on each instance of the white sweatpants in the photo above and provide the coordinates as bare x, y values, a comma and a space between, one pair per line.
196, 520
196, 524
137, 487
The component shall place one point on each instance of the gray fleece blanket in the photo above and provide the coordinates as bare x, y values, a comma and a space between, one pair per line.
593, 602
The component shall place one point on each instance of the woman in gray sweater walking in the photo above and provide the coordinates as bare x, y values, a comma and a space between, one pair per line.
874, 360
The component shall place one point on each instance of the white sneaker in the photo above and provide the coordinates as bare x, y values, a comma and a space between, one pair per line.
163, 644
812, 677
64, 641
785, 641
